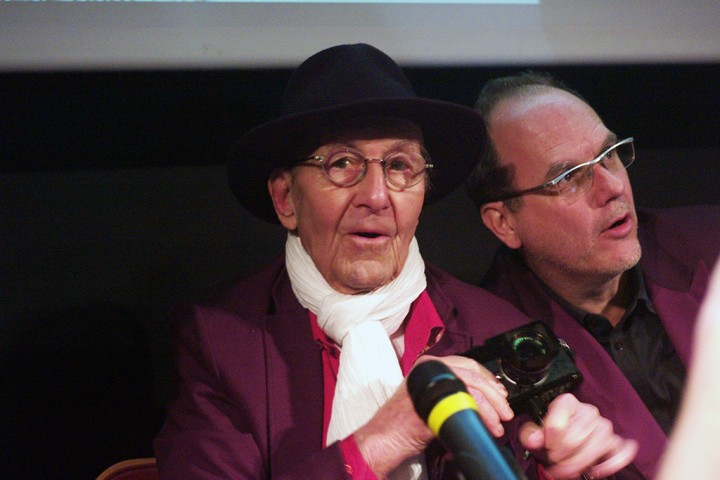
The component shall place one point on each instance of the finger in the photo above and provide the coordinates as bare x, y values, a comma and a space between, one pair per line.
625, 454
532, 436
483, 380
560, 410
567, 423
493, 407
489, 394
600, 444
488, 413
473, 373
583, 428
482, 384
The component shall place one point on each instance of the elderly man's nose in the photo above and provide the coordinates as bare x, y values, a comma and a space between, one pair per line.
375, 173
373, 188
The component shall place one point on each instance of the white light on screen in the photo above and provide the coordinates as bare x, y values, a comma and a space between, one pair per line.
51, 35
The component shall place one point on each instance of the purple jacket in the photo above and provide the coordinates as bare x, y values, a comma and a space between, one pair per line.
250, 400
679, 249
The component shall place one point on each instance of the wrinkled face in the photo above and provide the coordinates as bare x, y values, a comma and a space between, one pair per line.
357, 236
597, 234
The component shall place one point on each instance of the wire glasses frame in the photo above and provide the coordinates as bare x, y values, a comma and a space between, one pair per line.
346, 166
579, 179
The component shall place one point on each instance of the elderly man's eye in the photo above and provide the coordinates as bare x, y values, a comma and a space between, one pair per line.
398, 164
343, 162
405, 161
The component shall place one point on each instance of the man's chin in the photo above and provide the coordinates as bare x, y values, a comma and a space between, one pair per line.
622, 264
367, 275
633, 256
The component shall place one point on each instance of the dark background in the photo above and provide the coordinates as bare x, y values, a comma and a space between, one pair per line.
114, 206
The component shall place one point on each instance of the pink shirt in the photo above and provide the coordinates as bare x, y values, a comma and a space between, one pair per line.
424, 329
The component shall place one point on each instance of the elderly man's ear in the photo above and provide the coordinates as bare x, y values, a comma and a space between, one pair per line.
502, 222
279, 188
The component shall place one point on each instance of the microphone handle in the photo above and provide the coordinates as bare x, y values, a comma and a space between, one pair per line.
474, 450
442, 400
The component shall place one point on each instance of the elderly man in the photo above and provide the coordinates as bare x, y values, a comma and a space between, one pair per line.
298, 371
553, 187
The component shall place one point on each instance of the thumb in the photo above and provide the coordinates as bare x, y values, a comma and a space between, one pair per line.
532, 436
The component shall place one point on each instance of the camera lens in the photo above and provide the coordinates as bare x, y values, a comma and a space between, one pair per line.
530, 351
527, 357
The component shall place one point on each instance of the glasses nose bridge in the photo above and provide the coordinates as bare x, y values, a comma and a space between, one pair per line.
611, 173
608, 164
380, 161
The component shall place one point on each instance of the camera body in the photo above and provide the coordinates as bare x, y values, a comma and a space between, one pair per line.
533, 364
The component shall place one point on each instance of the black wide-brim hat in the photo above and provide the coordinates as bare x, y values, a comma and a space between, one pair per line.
342, 83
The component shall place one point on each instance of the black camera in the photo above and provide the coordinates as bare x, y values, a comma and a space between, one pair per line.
533, 364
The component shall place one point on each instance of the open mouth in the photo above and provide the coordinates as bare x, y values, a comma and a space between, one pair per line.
368, 234
618, 223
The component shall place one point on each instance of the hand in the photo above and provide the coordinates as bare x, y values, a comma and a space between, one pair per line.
397, 433
489, 393
575, 440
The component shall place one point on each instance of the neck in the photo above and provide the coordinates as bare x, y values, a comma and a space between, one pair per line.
607, 297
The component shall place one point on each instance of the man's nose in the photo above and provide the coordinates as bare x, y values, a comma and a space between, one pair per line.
607, 184
373, 188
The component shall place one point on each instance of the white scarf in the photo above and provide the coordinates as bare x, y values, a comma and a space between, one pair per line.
361, 325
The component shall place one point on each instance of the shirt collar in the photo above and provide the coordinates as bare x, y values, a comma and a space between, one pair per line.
637, 285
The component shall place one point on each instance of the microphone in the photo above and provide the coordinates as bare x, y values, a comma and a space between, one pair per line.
443, 402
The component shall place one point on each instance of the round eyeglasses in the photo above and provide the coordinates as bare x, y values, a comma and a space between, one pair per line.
345, 166
577, 180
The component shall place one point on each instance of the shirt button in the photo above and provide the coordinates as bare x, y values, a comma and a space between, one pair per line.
618, 345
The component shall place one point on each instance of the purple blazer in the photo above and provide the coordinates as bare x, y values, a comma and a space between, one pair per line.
679, 248
250, 400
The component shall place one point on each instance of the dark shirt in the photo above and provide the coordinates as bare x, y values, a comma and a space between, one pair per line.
640, 347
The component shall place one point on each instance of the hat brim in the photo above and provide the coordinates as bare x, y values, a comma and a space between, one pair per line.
454, 136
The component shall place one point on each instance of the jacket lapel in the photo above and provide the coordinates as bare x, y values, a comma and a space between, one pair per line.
295, 383
454, 339
678, 309
606, 387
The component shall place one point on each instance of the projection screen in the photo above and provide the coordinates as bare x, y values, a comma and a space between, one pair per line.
156, 35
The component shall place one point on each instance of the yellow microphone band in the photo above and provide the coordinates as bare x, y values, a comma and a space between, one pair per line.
449, 406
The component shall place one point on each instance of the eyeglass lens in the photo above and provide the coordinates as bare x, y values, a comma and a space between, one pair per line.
402, 169
579, 179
